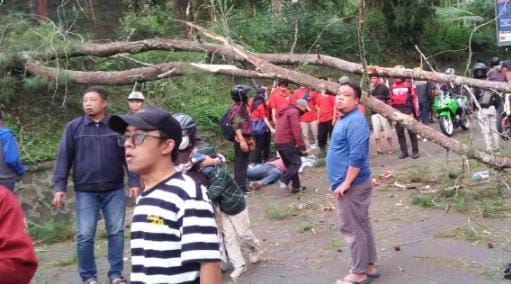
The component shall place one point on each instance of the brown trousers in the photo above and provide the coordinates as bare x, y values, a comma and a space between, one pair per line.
353, 212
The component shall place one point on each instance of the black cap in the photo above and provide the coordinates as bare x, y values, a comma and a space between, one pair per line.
150, 118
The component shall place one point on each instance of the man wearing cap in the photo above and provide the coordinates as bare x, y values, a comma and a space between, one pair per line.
90, 147
289, 142
136, 101
173, 233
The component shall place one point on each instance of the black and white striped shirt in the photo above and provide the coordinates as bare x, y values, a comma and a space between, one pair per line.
173, 230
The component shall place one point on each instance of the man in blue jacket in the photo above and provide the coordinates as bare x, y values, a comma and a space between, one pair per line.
90, 147
349, 177
11, 169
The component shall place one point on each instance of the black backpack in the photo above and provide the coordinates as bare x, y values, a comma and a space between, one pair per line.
226, 126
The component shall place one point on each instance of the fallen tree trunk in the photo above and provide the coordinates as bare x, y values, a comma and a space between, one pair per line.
150, 73
113, 48
374, 104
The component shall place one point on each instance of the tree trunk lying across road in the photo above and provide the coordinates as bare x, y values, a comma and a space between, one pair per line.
374, 104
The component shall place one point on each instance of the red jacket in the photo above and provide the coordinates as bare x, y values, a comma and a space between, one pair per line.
288, 127
412, 103
18, 262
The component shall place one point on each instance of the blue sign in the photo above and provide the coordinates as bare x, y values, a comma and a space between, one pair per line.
503, 23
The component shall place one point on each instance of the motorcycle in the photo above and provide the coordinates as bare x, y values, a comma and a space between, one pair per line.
451, 111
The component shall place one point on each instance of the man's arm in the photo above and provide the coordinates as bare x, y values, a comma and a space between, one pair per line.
210, 272
296, 129
64, 161
11, 153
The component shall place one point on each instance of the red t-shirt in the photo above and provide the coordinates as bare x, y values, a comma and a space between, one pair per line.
259, 112
311, 97
326, 105
280, 98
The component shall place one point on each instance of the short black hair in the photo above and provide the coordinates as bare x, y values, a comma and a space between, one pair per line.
100, 91
355, 86
281, 82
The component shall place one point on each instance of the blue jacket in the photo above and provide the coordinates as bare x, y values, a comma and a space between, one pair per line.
10, 167
98, 161
349, 146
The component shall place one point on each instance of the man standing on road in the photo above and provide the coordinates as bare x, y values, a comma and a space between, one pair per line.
90, 147
136, 101
349, 177
11, 168
174, 233
380, 123
289, 142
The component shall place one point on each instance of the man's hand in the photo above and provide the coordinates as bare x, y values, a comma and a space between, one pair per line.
244, 146
134, 192
58, 199
341, 189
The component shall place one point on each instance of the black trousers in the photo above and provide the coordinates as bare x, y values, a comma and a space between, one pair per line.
262, 148
291, 157
400, 131
240, 166
324, 131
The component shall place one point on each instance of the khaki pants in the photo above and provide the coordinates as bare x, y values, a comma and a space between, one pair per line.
488, 122
308, 127
237, 232
353, 213
380, 125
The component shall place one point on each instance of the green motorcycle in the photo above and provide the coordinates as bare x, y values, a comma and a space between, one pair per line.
452, 112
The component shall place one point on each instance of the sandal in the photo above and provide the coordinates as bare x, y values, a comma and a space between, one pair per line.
373, 275
365, 281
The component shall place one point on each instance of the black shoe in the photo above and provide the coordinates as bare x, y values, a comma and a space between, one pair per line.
403, 156
415, 155
295, 190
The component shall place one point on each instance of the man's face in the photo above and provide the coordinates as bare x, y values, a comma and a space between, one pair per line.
143, 156
374, 81
346, 100
93, 104
135, 105
507, 73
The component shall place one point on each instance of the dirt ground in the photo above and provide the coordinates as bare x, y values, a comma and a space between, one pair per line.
302, 244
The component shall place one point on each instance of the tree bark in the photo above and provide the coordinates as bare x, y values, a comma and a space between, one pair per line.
276, 6
109, 49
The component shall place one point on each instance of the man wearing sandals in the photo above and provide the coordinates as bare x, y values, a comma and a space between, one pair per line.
349, 177
380, 123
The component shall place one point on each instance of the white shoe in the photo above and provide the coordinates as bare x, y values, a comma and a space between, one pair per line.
238, 271
282, 185
424, 140
255, 256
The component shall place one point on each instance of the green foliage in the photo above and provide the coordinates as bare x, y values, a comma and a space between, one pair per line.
275, 212
155, 21
304, 227
423, 201
50, 233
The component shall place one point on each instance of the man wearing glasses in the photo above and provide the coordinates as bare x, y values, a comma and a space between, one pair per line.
173, 233
349, 177
91, 148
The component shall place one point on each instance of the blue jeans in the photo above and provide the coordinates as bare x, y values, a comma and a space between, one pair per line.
8, 184
264, 172
424, 113
113, 205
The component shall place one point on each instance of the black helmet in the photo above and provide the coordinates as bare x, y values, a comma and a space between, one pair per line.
240, 93
494, 61
187, 123
479, 70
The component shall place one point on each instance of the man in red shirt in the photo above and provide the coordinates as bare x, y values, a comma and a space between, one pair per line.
403, 98
280, 98
289, 142
326, 105
18, 262
309, 120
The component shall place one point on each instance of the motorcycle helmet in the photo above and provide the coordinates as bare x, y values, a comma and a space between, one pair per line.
187, 123
450, 71
239, 93
480, 70
494, 61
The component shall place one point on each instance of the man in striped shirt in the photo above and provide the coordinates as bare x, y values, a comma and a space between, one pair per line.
173, 233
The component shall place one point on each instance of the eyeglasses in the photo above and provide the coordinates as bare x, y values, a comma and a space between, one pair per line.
136, 139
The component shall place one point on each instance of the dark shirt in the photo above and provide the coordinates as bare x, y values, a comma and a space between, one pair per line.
98, 161
240, 118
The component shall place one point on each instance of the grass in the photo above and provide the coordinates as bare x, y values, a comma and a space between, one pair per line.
54, 232
461, 233
423, 201
418, 173
304, 227
276, 212
73, 259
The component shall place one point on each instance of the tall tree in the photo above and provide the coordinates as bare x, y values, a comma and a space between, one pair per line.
38, 9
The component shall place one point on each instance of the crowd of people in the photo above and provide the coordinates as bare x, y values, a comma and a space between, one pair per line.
191, 217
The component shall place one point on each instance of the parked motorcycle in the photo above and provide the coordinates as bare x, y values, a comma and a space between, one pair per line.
451, 111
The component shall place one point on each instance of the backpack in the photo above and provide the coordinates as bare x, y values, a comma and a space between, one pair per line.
226, 127
399, 96
486, 98
258, 127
